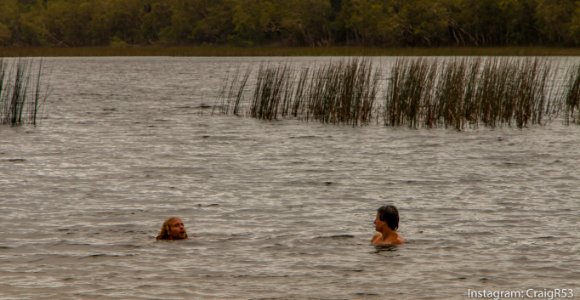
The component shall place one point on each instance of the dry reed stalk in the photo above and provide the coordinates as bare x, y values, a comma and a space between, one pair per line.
409, 95
572, 96
17, 84
272, 88
419, 93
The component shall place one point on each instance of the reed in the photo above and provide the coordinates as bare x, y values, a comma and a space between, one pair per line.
468, 92
511, 92
337, 93
451, 96
231, 95
300, 96
572, 96
18, 83
322, 90
272, 89
418, 92
408, 97
38, 98
342, 92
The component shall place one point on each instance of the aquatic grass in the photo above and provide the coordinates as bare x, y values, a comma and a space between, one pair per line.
17, 84
231, 94
418, 92
337, 93
493, 92
35, 104
572, 96
534, 99
270, 91
3, 92
408, 98
512, 91
240, 91
287, 94
450, 96
300, 95
322, 93
341, 92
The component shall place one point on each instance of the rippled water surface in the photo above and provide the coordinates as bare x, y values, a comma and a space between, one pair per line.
279, 209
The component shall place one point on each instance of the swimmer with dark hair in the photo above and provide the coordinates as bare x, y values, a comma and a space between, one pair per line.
386, 224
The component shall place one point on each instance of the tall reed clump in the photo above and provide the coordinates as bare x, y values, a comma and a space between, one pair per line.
338, 93
21, 96
463, 92
409, 96
343, 93
418, 92
231, 95
272, 92
513, 92
572, 96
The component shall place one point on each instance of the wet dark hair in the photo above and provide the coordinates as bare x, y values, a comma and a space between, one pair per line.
389, 214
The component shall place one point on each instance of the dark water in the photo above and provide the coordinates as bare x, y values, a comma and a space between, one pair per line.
276, 210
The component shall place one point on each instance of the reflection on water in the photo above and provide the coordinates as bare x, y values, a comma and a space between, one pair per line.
279, 209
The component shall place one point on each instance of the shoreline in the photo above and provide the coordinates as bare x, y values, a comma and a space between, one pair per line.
281, 51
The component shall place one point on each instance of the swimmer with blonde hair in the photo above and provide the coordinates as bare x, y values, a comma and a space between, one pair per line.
386, 224
172, 229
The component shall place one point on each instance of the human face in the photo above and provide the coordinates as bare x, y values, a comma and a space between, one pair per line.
379, 225
177, 229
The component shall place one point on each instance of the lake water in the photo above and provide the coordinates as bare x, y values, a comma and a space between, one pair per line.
274, 210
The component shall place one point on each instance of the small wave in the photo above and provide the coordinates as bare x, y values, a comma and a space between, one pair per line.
15, 160
513, 164
386, 248
336, 237
207, 205
363, 294
97, 255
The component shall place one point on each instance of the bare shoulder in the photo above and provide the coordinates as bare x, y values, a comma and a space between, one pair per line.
400, 240
376, 237
378, 240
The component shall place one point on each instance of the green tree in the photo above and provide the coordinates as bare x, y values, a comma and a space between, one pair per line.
290, 22
8, 20
124, 20
555, 19
67, 22
157, 17
256, 21
574, 30
481, 22
519, 19
214, 23
422, 22
305, 22
366, 21
30, 29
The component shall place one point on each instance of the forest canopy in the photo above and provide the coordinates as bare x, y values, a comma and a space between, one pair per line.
311, 23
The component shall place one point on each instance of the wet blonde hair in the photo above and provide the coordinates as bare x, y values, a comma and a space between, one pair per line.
164, 233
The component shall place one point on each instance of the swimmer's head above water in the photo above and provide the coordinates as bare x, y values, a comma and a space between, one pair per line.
172, 229
386, 225
390, 215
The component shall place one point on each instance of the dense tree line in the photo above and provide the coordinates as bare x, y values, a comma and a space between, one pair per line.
381, 23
